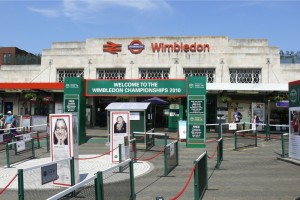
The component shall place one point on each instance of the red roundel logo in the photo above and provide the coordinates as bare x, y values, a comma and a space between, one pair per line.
136, 47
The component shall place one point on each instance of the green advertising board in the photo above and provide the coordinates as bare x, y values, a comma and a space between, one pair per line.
196, 112
137, 87
75, 102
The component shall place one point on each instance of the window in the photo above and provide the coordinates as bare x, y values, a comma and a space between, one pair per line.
245, 75
63, 73
154, 73
111, 73
209, 73
6, 58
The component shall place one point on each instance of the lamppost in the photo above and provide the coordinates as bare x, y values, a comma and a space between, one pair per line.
222, 63
268, 63
90, 62
50, 63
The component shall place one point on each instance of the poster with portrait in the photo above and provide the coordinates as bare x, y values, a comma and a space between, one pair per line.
62, 146
119, 128
294, 133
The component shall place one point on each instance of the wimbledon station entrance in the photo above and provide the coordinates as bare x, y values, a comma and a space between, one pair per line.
194, 88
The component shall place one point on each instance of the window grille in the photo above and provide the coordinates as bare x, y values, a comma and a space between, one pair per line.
62, 73
209, 73
6, 58
154, 73
245, 75
111, 73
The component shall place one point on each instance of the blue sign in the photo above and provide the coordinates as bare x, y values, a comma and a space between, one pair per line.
282, 104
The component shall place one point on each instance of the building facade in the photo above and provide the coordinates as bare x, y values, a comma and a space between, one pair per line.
240, 72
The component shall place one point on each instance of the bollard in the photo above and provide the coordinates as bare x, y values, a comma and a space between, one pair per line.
256, 138
133, 195
282, 145
235, 140
20, 184
99, 186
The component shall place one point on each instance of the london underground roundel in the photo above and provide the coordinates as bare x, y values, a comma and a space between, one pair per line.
136, 47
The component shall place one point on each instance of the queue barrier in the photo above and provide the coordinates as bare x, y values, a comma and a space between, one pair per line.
19, 150
200, 176
103, 185
245, 138
35, 175
285, 145
171, 157
147, 140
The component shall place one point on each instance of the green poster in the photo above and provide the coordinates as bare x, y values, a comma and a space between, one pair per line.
196, 112
71, 105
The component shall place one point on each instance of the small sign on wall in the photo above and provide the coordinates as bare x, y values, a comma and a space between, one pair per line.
20, 146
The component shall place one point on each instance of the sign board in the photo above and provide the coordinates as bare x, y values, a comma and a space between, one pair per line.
196, 112
294, 117
20, 146
37, 121
136, 87
71, 105
49, 173
284, 104
26, 121
232, 127
26, 136
182, 129
119, 128
64, 144
134, 116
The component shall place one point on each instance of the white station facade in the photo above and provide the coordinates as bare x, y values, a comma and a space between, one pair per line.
240, 73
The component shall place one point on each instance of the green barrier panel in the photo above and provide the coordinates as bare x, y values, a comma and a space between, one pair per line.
219, 153
200, 176
170, 157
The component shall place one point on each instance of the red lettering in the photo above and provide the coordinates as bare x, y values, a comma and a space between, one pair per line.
199, 47
176, 47
168, 46
193, 47
186, 47
206, 46
156, 47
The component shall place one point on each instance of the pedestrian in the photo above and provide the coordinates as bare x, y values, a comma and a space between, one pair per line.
237, 116
2, 122
13, 127
8, 120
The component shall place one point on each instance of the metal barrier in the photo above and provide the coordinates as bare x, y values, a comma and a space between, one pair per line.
219, 153
108, 184
285, 145
170, 157
40, 177
149, 140
213, 130
200, 176
18, 151
245, 138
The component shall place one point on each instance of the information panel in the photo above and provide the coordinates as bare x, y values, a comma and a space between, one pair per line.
196, 112
136, 87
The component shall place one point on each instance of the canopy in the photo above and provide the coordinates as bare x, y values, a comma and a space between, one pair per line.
156, 100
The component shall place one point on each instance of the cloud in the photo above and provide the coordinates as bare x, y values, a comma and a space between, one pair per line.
46, 12
83, 9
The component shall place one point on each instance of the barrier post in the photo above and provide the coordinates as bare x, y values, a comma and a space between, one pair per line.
235, 140
120, 157
72, 164
166, 139
48, 143
219, 153
282, 146
256, 138
99, 185
220, 131
38, 139
15, 148
196, 181
165, 161
32, 148
177, 153
134, 150
20, 184
7, 155
133, 195
268, 132
244, 125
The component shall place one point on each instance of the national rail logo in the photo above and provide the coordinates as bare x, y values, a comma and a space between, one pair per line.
136, 47
112, 48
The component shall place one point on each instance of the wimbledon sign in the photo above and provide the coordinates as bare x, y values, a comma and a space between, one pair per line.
136, 87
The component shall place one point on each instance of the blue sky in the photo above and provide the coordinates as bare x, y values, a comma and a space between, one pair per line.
34, 25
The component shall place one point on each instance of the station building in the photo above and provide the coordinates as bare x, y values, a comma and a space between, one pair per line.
240, 73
